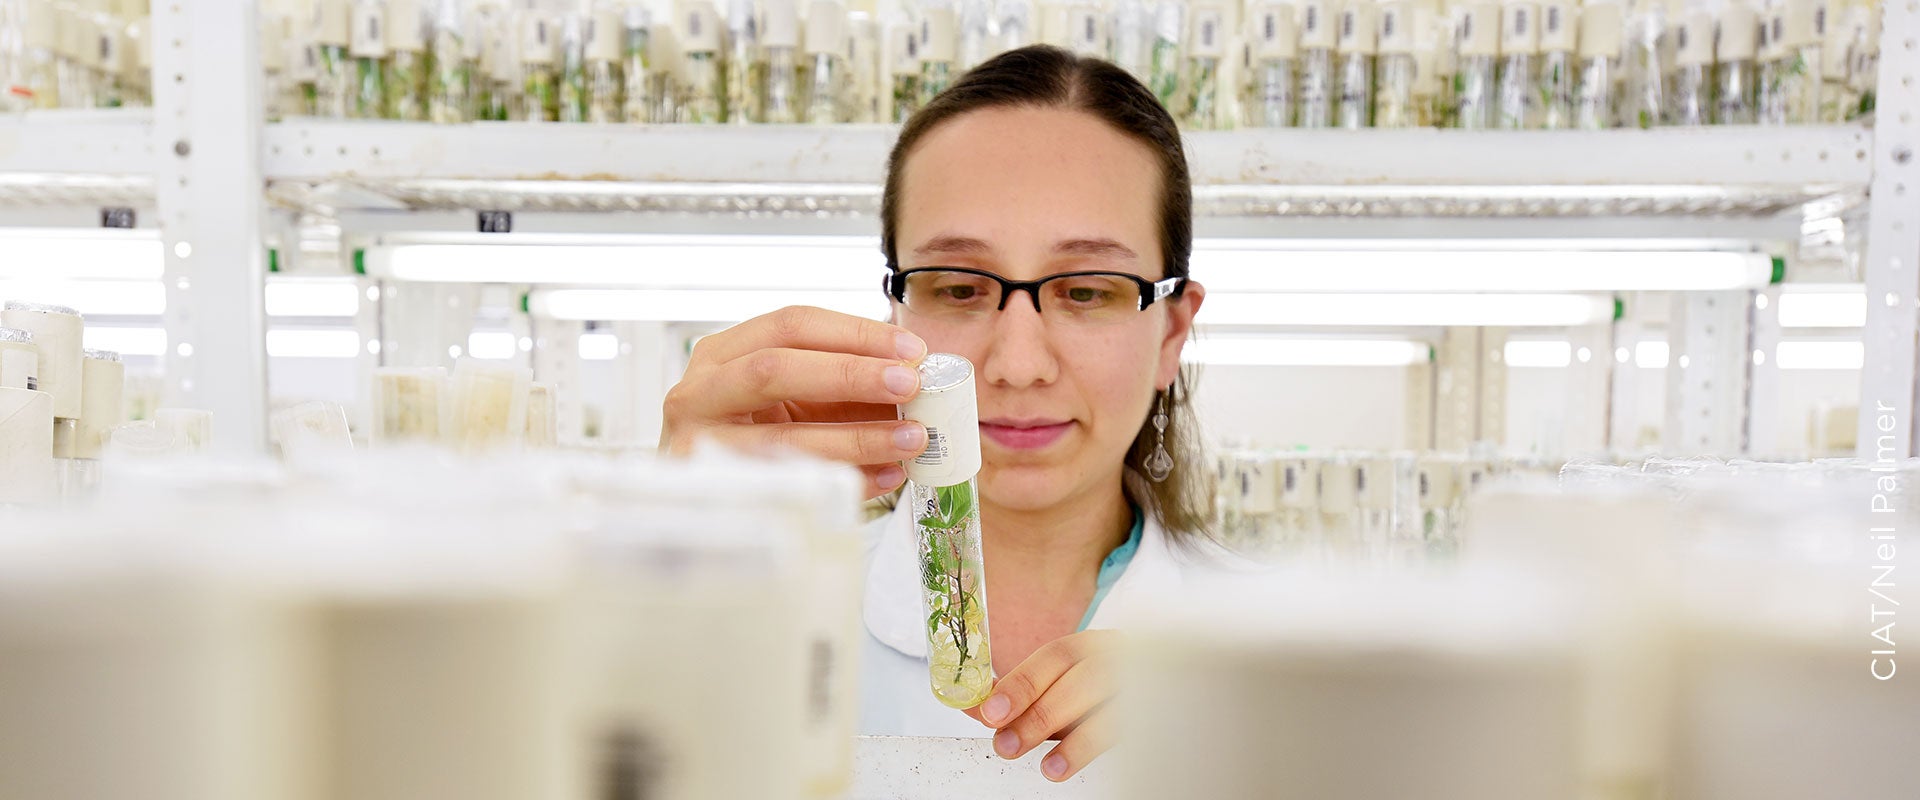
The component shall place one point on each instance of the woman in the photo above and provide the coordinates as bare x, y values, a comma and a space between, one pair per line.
1035, 164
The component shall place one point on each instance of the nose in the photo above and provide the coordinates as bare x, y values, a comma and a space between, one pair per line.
1021, 353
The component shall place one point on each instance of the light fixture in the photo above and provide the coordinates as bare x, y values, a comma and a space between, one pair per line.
1820, 355
665, 262
599, 347
113, 298
90, 253
313, 344
1253, 351
1651, 354
695, 305
493, 345
1227, 266
125, 341
1541, 353
1823, 307
311, 297
1324, 310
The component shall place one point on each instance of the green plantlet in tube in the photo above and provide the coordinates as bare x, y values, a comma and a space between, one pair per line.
944, 495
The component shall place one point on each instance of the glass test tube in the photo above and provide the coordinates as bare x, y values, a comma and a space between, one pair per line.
406, 67
636, 67
572, 98
449, 94
605, 37
974, 23
501, 65
938, 40
1317, 39
278, 99
944, 494
1133, 35
1479, 48
703, 82
1204, 53
1519, 84
1357, 41
369, 52
1600, 40
827, 80
1643, 103
746, 67
1802, 36
539, 81
1690, 103
1169, 22
903, 66
1276, 47
334, 77
1736, 93
1557, 44
781, 101
1393, 103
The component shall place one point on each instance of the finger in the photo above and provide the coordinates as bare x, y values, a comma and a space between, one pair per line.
1071, 698
1094, 737
769, 377
840, 412
857, 443
808, 328
883, 478
1019, 688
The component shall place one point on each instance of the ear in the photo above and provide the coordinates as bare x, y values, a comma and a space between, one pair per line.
1180, 314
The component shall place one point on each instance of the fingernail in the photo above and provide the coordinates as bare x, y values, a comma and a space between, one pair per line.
1054, 767
995, 708
890, 478
1006, 743
910, 346
900, 380
910, 438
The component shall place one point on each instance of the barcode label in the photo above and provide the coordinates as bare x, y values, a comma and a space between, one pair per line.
1269, 27
1346, 26
1553, 19
1388, 21
1519, 22
693, 25
1313, 19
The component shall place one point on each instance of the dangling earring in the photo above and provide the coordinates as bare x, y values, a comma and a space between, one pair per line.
1160, 465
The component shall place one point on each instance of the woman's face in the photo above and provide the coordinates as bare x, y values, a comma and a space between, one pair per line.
1025, 193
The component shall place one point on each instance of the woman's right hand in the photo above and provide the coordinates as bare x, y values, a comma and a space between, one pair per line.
808, 379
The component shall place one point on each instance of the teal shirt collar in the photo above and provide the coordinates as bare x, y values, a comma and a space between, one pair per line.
1114, 566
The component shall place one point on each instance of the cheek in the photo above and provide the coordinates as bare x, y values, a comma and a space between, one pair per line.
1118, 381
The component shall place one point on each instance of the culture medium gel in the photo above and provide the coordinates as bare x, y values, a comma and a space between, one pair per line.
946, 525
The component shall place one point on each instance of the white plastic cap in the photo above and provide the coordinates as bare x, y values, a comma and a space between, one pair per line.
1693, 40
1738, 37
1317, 25
1520, 29
404, 30
1600, 31
1772, 29
949, 408
938, 35
1276, 35
538, 36
1357, 30
826, 28
274, 42
1086, 29
369, 35
606, 35
333, 22
1480, 30
1396, 28
700, 28
1805, 23
1208, 34
781, 26
903, 48
1559, 27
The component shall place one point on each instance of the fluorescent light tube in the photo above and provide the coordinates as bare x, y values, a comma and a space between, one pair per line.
667, 262
1322, 310
125, 341
1651, 354
1821, 355
1243, 269
1824, 308
54, 253
313, 344
493, 345
697, 305
1547, 354
114, 298
599, 347
312, 298
1280, 352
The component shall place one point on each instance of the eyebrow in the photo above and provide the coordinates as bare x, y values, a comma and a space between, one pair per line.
964, 245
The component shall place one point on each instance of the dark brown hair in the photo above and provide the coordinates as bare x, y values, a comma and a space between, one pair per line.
1048, 77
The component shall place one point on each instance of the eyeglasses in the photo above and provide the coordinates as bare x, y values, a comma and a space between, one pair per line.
1094, 298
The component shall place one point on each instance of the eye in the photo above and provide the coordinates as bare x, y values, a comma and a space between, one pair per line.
956, 292
1083, 294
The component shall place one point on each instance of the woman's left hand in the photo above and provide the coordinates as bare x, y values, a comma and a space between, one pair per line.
1059, 692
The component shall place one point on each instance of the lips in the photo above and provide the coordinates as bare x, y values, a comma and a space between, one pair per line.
1024, 434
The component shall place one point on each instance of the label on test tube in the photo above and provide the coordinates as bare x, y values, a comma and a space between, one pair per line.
404, 34
938, 35
1739, 33
1396, 28
1600, 31
1479, 31
1316, 31
1520, 35
369, 30
1207, 33
1557, 31
1088, 27
1358, 31
1278, 38
1256, 485
947, 406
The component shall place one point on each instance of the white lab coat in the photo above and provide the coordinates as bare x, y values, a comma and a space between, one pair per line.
895, 698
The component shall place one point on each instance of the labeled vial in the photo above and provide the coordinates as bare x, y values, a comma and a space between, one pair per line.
783, 102
1086, 32
410, 405
1434, 58
1691, 99
1519, 83
864, 68
1276, 47
903, 67
334, 87
572, 98
1644, 96
668, 56
1837, 97
702, 84
1600, 35
1339, 523
449, 90
1015, 18
369, 52
1317, 40
1736, 93
606, 35
1399, 70
637, 68
1801, 35
1864, 70
1558, 42
1774, 66
938, 40
1169, 23
1479, 49
278, 93
406, 66
1132, 29
1298, 523
1356, 44
539, 80
945, 498
1255, 529
826, 71
746, 67
1204, 55
1374, 493
501, 63
974, 21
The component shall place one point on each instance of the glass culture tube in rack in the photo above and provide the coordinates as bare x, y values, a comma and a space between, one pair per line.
903, 67
1690, 103
405, 69
1086, 30
1772, 104
571, 99
1398, 70
973, 20
1643, 100
1356, 42
1836, 51
827, 83
1133, 35
1299, 513
1276, 46
1016, 20
1479, 48
302, 52
1204, 54
1317, 39
746, 67
279, 94
1600, 42
1434, 57
1557, 73
864, 67
944, 494
1339, 511
1169, 23
1735, 90
498, 66
1519, 84
636, 67
1863, 58
333, 71
777, 98
605, 35
700, 40
368, 50
667, 57
1801, 29
937, 42
449, 90
539, 80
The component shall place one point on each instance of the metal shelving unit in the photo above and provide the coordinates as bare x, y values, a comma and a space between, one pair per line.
1757, 189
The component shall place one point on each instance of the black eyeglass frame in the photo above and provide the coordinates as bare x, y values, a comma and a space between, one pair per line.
895, 284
